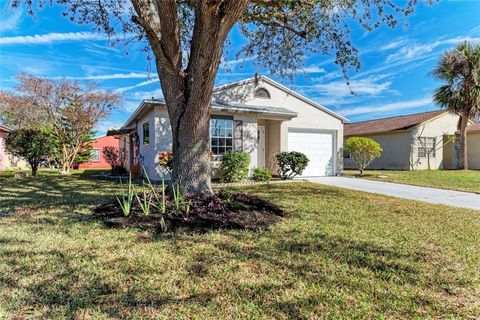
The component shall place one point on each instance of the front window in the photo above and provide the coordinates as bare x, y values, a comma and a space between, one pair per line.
427, 146
221, 136
95, 155
146, 133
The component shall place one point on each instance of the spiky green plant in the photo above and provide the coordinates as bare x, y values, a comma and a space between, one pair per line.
159, 203
145, 201
180, 201
126, 198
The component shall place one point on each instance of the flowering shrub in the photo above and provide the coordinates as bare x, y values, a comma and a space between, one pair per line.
166, 160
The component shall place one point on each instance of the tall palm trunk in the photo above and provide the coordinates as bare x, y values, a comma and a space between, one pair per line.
463, 142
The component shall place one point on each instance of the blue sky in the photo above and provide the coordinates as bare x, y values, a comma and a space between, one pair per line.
393, 78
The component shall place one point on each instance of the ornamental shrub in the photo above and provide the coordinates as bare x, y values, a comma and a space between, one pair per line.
363, 151
165, 159
234, 166
262, 174
291, 164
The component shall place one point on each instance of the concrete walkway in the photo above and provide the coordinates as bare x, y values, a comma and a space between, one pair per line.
432, 195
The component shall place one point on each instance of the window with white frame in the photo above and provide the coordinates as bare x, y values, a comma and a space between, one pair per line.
427, 145
346, 154
95, 155
146, 133
221, 135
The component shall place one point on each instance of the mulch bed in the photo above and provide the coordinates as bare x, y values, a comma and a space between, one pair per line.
219, 211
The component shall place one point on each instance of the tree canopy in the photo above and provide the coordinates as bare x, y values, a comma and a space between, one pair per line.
279, 33
459, 69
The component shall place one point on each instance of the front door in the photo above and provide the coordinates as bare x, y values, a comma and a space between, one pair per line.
261, 147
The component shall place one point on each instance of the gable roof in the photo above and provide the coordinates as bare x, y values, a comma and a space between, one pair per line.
474, 127
283, 88
217, 106
389, 124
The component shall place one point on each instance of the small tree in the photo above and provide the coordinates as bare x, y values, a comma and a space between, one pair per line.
115, 159
33, 145
363, 151
71, 111
291, 164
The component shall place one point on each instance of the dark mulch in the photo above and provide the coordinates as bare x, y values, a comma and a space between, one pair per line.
220, 211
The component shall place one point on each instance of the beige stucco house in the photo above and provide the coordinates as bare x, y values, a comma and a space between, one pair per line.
256, 115
473, 146
409, 141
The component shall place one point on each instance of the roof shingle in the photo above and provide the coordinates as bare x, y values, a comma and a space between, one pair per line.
389, 124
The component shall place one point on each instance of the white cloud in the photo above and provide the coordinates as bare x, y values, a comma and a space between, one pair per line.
313, 69
379, 109
359, 87
138, 85
11, 22
416, 51
131, 75
394, 44
104, 125
51, 37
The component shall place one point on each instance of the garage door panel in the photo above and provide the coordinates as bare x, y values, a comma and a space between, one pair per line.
317, 146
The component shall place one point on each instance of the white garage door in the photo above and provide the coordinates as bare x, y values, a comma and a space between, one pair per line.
317, 146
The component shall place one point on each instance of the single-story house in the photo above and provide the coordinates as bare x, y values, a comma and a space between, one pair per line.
256, 115
473, 146
8, 161
407, 141
97, 160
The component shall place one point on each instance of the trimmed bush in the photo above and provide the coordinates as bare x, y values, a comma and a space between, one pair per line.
291, 164
262, 174
234, 166
363, 151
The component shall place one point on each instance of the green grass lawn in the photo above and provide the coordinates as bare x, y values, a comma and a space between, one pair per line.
461, 180
337, 254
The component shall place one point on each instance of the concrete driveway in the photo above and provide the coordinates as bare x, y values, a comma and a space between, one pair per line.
432, 195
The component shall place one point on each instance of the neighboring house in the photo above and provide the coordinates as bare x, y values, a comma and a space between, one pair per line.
8, 161
3, 153
473, 147
407, 140
98, 161
256, 115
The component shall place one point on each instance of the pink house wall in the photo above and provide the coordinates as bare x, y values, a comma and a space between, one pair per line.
3, 155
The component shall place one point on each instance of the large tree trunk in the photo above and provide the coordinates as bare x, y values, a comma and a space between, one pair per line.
188, 92
463, 142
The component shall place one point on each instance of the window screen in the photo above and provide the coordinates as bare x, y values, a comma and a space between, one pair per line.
221, 136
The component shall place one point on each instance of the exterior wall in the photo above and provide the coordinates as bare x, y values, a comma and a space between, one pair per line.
445, 124
309, 117
473, 145
99, 144
395, 155
147, 154
8, 161
400, 148
3, 153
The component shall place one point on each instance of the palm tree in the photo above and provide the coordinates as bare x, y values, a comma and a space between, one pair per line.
459, 68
